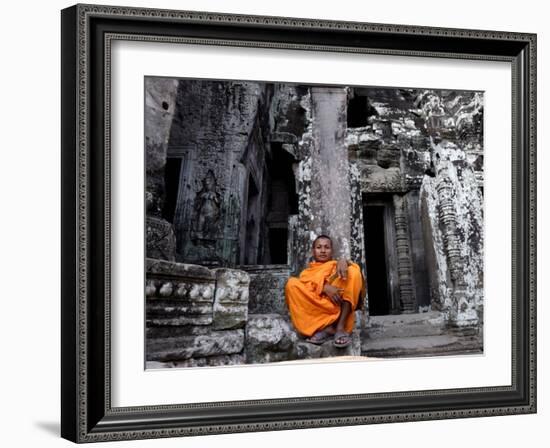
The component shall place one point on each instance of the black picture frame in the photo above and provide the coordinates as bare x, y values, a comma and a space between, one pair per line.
87, 414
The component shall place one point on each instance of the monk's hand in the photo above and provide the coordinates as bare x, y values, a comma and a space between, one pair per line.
342, 268
334, 293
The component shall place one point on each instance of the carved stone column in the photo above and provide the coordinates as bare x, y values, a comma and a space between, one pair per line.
456, 213
330, 185
357, 219
448, 219
160, 104
404, 266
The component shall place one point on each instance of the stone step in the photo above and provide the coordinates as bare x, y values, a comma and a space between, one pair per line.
272, 338
307, 350
407, 325
421, 346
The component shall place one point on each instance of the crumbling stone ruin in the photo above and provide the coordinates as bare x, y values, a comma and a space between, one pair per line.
242, 176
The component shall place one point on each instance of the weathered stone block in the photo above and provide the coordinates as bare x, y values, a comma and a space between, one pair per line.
376, 179
166, 268
178, 294
388, 157
407, 325
178, 307
269, 338
230, 308
195, 346
267, 289
368, 153
175, 312
161, 241
153, 332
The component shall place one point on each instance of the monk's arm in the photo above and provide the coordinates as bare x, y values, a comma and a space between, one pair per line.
342, 268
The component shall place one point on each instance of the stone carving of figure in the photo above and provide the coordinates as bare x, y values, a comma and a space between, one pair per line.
434, 112
207, 208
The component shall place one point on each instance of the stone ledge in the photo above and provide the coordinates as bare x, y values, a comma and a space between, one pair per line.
195, 346
407, 325
173, 269
422, 346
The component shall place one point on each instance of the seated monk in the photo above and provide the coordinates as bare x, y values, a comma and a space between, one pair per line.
322, 300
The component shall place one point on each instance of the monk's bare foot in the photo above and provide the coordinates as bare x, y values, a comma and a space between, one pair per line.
319, 337
342, 339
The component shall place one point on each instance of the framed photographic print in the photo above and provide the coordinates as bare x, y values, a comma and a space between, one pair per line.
252, 205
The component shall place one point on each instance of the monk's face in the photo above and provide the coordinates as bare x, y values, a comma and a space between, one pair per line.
322, 250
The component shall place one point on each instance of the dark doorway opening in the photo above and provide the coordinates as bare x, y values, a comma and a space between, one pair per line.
171, 187
252, 223
376, 255
357, 112
282, 203
278, 245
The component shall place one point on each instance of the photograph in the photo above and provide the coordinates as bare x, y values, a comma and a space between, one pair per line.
290, 222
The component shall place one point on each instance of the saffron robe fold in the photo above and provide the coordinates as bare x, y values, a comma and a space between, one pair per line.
310, 309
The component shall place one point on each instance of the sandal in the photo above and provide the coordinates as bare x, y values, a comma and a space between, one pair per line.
342, 339
319, 337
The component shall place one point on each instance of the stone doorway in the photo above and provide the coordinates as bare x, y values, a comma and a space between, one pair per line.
381, 267
282, 202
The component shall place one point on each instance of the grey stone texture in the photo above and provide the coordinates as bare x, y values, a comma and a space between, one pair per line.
161, 240
266, 284
414, 346
306, 350
177, 348
220, 141
194, 312
407, 325
269, 338
160, 105
330, 185
230, 308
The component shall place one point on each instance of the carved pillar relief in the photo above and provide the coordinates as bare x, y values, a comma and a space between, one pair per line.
406, 287
448, 219
357, 220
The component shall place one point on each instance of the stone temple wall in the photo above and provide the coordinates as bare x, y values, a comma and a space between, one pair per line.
424, 148
211, 135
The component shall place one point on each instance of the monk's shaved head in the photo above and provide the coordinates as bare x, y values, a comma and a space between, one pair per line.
326, 237
322, 248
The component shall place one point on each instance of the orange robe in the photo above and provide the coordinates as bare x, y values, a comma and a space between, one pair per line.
312, 310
